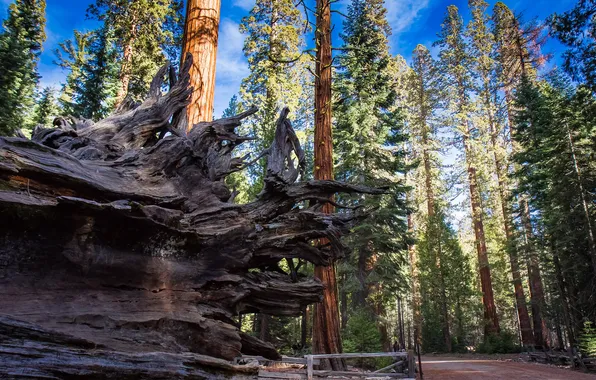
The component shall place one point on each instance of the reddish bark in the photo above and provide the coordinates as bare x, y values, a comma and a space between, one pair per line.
201, 32
326, 327
488, 299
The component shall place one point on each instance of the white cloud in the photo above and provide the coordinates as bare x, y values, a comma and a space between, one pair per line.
244, 4
232, 67
402, 14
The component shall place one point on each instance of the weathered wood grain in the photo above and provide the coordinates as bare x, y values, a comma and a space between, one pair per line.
122, 233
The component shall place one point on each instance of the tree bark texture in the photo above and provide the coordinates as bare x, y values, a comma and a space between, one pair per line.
488, 299
525, 326
201, 33
120, 246
326, 326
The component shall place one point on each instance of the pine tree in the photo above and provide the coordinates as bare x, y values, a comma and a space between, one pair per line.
577, 29
554, 127
368, 136
455, 63
273, 48
518, 52
99, 82
46, 108
73, 55
424, 101
143, 33
20, 46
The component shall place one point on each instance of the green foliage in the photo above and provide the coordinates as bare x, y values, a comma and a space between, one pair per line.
273, 47
587, 342
46, 109
368, 139
20, 46
145, 33
555, 129
504, 343
361, 333
577, 29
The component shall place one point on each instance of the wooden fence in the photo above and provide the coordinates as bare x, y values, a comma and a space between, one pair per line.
408, 360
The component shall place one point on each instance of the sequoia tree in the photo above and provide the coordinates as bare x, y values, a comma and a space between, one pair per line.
201, 33
326, 336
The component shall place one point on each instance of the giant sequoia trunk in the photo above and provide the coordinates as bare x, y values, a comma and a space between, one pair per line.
201, 33
122, 252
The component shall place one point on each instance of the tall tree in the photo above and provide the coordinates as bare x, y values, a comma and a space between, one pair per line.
555, 132
73, 55
518, 57
201, 33
455, 63
504, 35
143, 32
423, 103
368, 139
326, 336
20, 46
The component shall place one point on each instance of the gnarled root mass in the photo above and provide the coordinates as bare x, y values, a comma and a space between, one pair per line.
119, 240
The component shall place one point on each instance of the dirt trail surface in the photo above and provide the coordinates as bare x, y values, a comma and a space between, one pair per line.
451, 368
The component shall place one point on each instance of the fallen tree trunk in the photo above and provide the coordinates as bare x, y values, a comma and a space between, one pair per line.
123, 235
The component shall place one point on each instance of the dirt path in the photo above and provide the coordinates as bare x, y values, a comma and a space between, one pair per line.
447, 368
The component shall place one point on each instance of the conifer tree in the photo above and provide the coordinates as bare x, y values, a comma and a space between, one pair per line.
273, 47
577, 29
143, 31
326, 336
46, 108
201, 34
455, 63
368, 139
73, 55
518, 52
424, 101
555, 132
485, 66
20, 46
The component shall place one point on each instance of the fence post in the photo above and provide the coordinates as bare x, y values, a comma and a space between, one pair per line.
411, 364
309, 369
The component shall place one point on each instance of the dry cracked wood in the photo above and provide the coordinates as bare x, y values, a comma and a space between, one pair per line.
123, 233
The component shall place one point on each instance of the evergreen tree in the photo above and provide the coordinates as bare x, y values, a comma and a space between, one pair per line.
143, 31
577, 29
46, 108
20, 46
98, 85
455, 62
273, 48
554, 128
73, 55
368, 139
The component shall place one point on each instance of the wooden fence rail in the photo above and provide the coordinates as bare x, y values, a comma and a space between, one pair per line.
408, 356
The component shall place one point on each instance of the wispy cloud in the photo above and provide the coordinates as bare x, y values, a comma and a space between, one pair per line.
402, 15
232, 67
244, 4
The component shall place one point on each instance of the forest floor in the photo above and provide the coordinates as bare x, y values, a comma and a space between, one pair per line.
503, 367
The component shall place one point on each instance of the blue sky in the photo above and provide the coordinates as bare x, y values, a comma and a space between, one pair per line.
413, 22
